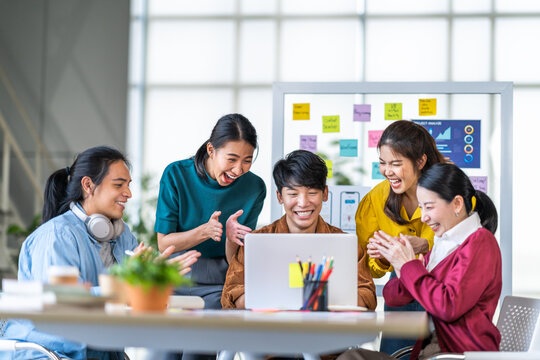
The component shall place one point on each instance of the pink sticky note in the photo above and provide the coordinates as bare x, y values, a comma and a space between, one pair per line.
479, 182
308, 142
373, 137
362, 112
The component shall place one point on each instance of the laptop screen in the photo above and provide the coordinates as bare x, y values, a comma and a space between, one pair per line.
271, 269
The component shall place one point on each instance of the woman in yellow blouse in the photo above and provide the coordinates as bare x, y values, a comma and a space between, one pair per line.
406, 150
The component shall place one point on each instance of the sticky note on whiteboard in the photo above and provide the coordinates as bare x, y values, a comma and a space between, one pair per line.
362, 112
300, 111
373, 137
479, 183
308, 142
427, 107
375, 172
348, 147
329, 167
393, 111
330, 123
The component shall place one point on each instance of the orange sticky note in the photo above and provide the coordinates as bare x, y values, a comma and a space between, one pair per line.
427, 107
300, 111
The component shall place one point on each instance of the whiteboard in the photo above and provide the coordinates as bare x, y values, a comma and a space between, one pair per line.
486, 154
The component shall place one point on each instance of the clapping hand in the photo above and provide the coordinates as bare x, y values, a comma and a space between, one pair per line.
397, 251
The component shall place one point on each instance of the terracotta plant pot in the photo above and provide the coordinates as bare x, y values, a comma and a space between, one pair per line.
154, 299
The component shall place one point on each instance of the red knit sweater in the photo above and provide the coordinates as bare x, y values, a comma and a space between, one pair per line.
461, 294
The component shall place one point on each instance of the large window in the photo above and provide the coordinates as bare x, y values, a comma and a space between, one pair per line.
193, 61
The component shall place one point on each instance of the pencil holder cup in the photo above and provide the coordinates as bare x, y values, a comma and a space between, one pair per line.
315, 296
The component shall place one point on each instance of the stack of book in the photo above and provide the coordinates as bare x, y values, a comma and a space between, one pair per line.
35, 296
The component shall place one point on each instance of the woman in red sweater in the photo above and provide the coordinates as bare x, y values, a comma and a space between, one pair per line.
459, 281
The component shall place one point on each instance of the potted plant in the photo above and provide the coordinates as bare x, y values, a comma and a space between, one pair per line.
149, 280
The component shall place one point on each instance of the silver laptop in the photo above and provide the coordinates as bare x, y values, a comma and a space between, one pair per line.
270, 261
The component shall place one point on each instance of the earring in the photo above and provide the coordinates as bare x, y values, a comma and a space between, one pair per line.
457, 214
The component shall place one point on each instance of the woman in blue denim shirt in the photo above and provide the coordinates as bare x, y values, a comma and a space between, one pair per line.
82, 227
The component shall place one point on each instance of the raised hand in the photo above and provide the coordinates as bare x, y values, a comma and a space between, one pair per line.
234, 230
213, 229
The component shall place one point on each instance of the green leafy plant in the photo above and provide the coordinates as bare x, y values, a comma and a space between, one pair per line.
17, 230
148, 269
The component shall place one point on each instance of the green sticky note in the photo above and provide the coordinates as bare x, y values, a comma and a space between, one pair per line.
392, 111
295, 276
330, 123
329, 168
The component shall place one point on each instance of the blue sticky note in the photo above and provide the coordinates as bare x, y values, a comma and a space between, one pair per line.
375, 173
348, 147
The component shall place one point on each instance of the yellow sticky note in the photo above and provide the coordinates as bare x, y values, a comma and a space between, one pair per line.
295, 276
329, 167
330, 123
392, 111
427, 107
300, 111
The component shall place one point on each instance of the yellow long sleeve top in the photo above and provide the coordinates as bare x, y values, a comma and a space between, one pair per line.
370, 217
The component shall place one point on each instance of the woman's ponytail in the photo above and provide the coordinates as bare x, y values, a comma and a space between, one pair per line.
55, 193
487, 211
200, 159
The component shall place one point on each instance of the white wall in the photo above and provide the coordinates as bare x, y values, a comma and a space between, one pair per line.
68, 63
222, 56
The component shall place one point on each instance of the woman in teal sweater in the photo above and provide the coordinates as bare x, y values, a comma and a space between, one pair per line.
208, 198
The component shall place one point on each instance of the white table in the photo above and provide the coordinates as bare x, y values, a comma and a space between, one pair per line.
236, 330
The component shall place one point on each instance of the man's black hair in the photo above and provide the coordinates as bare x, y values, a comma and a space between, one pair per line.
300, 168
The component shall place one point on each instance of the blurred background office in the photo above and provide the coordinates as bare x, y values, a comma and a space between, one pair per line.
152, 77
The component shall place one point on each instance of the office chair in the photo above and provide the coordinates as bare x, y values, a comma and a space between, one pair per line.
519, 325
15, 345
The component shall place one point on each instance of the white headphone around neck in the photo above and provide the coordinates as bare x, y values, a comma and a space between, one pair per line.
99, 226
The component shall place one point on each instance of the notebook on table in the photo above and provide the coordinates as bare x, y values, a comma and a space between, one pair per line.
269, 260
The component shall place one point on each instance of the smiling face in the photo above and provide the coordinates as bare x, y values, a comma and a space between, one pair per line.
229, 162
399, 170
108, 198
439, 214
302, 206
